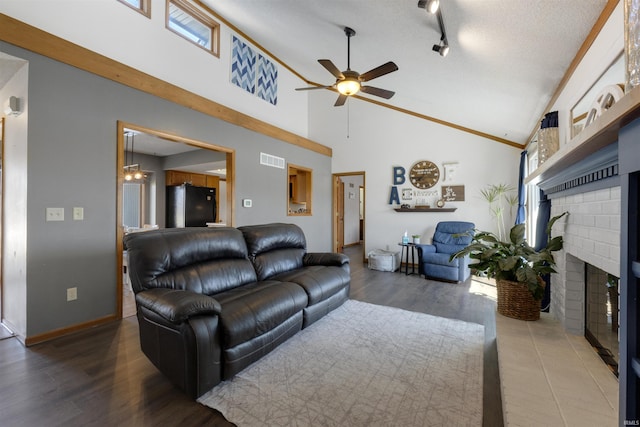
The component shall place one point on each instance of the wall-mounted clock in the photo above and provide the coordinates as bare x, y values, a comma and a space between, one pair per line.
424, 174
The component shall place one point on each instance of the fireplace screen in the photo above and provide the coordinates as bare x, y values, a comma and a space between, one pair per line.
601, 311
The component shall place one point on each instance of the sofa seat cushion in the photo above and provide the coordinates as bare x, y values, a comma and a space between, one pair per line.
320, 282
440, 259
256, 308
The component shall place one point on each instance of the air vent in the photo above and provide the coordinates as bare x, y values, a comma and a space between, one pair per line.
273, 161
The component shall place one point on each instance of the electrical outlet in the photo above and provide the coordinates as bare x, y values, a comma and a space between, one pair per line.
78, 214
55, 214
72, 294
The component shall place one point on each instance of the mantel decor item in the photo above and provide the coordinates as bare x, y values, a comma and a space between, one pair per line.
632, 43
517, 267
548, 137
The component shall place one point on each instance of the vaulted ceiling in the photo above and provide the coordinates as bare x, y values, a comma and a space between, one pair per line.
506, 60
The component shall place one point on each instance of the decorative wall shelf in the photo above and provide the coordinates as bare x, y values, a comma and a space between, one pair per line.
425, 209
601, 133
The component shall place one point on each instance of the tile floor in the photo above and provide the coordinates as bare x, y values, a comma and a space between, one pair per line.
544, 370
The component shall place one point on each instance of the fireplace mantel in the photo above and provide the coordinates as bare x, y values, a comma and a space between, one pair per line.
601, 133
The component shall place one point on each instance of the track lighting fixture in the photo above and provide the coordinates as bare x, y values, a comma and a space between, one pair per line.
433, 6
430, 6
442, 49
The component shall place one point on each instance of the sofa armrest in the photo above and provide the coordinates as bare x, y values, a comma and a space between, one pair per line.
177, 305
425, 249
325, 258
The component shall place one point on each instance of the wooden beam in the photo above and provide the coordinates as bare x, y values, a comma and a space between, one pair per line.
444, 123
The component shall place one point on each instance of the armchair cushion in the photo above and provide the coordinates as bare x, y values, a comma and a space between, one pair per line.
440, 259
448, 238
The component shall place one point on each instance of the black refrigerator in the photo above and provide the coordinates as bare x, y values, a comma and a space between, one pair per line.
189, 206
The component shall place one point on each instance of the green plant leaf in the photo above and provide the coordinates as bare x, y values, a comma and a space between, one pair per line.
555, 244
508, 263
553, 221
517, 234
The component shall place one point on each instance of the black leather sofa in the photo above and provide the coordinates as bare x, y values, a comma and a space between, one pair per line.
211, 301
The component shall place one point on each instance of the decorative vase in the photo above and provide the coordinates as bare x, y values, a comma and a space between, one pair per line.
515, 301
632, 43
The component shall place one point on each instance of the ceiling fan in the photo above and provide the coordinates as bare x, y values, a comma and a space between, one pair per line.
349, 82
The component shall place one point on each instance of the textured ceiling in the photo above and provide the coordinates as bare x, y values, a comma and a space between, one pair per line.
507, 56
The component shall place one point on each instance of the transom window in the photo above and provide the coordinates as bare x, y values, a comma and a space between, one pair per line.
190, 22
141, 6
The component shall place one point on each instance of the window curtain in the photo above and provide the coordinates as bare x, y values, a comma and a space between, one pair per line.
544, 214
521, 214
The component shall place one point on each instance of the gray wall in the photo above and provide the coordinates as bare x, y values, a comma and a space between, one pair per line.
72, 162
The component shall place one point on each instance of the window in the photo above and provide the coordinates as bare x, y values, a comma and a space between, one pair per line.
533, 195
299, 190
142, 6
190, 22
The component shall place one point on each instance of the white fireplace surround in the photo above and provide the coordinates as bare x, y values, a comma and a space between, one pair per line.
591, 234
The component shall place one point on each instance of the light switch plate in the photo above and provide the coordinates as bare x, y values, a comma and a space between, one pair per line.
246, 203
55, 214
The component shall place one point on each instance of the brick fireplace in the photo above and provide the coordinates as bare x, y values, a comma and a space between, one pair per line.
596, 177
591, 236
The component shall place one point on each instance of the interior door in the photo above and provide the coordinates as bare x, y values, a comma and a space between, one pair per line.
340, 214
1, 207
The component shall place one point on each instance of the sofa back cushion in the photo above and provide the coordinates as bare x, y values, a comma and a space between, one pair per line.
452, 236
274, 248
198, 259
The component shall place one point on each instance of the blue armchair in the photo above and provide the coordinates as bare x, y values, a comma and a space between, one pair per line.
449, 238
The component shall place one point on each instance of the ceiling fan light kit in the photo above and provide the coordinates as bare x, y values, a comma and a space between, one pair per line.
350, 85
349, 82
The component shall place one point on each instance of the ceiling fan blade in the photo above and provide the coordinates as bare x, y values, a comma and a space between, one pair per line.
326, 63
341, 100
382, 93
387, 68
314, 87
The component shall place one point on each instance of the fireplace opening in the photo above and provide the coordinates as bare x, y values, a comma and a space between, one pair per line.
601, 314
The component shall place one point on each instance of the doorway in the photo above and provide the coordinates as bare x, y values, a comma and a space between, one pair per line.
2, 330
148, 161
349, 211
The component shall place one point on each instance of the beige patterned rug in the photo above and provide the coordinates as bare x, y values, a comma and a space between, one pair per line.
363, 365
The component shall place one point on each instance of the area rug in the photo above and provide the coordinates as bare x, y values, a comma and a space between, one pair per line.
363, 365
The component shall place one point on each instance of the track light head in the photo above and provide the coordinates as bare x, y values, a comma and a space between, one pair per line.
442, 49
432, 6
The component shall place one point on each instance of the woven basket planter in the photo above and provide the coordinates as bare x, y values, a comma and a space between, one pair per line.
515, 301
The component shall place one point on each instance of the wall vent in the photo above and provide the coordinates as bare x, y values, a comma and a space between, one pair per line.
273, 161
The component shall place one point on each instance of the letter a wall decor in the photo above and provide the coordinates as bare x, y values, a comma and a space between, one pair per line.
253, 72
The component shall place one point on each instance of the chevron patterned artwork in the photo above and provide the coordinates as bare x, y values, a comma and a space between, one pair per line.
267, 87
243, 65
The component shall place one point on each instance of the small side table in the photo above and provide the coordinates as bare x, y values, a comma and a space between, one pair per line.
404, 257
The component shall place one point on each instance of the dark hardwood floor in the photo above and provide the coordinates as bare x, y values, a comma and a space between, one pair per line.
100, 377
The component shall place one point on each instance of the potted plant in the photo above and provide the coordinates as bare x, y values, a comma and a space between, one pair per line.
496, 195
517, 267
416, 239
